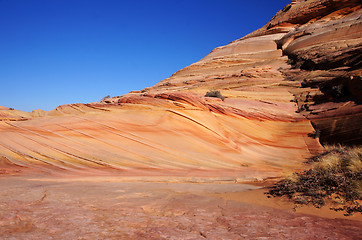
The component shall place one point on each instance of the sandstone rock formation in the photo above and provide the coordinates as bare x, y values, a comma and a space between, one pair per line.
10, 114
298, 74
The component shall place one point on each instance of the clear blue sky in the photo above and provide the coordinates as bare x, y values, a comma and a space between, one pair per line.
55, 52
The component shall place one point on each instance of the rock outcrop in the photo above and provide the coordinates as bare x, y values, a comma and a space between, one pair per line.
10, 114
297, 75
325, 54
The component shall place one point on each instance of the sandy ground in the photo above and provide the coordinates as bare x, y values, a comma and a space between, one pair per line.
105, 208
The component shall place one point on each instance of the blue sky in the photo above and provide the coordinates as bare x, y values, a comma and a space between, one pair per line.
55, 52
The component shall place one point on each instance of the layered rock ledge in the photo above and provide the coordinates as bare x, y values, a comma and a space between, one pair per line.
298, 74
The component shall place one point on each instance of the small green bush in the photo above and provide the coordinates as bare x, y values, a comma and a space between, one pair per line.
214, 93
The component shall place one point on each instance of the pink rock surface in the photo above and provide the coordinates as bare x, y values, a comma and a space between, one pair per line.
89, 208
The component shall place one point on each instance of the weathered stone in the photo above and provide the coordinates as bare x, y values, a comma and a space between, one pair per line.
302, 67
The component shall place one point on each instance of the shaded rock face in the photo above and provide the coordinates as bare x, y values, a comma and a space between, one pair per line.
298, 73
323, 44
325, 54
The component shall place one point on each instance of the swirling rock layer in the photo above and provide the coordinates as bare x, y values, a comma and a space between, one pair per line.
158, 136
274, 82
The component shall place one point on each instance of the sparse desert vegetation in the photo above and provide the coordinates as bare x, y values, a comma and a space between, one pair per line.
334, 179
190, 156
215, 93
105, 98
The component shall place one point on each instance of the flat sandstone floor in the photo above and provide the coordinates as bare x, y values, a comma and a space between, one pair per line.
107, 208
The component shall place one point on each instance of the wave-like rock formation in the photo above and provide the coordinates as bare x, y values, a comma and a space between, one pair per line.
279, 84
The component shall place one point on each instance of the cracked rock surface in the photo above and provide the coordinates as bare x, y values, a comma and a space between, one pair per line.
53, 208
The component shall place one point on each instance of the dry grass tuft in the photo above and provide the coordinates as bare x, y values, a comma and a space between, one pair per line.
335, 178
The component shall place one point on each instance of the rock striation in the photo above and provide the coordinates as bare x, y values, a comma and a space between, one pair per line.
298, 74
10, 114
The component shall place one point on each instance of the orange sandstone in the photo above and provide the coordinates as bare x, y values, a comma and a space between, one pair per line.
259, 131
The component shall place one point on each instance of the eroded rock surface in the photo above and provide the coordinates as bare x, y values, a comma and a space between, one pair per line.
126, 168
301, 69
103, 209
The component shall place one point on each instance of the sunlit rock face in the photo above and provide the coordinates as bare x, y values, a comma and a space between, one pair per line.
302, 69
9, 114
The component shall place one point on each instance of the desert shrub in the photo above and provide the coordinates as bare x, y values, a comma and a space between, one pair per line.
166, 84
335, 178
214, 93
105, 98
302, 108
315, 134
